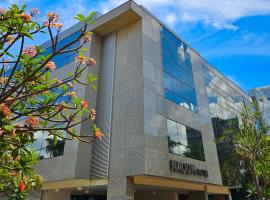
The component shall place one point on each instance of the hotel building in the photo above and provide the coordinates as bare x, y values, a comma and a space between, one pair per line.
161, 105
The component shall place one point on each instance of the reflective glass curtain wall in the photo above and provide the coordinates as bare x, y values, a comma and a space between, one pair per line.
178, 77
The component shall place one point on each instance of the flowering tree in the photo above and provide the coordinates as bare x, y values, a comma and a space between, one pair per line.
31, 101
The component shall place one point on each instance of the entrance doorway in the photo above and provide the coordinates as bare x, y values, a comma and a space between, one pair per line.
88, 197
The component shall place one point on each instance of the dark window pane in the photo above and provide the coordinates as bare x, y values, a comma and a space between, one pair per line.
185, 141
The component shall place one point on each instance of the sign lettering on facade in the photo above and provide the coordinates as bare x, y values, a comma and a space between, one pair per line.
186, 168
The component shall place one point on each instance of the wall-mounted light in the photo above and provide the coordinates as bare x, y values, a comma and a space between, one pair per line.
79, 188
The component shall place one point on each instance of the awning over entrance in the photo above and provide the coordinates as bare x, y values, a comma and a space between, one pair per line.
74, 183
180, 184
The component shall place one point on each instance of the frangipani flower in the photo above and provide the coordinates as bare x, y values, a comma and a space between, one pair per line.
50, 65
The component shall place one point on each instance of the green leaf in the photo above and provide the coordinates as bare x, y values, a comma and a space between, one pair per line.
8, 127
25, 33
80, 17
91, 78
94, 87
90, 16
55, 140
47, 75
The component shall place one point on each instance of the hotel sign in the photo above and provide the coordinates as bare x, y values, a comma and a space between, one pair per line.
186, 168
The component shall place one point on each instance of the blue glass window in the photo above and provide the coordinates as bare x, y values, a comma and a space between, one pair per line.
177, 68
65, 58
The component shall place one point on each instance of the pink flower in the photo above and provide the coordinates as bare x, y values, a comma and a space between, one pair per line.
84, 104
26, 17
2, 11
81, 59
58, 81
98, 134
50, 65
61, 106
30, 50
32, 121
72, 94
46, 23
86, 38
91, 61
34, 11
92, 114
18, 125
53, 17
70, 84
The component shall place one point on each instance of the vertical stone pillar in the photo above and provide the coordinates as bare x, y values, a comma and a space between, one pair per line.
120, 188
198, 195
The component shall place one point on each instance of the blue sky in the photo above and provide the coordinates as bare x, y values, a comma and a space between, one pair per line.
232, 35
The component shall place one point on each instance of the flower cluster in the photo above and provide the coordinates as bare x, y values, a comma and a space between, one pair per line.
22, 184
53, 21
84, 104
92, 115
2, 11
61, 106
83, 60
72, 94
26, 17
30, 50
91, 61
34, 11
98, 134
86, 38
32, 121
5, 110
71, 85
50, 65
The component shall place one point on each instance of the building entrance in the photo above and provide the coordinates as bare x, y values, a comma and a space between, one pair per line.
88, 197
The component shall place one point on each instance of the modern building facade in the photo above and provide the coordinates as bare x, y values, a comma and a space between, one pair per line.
161, 105
262, 94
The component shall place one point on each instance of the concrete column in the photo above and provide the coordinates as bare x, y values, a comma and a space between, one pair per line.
52, 195
120, 188
198, 195
35, 195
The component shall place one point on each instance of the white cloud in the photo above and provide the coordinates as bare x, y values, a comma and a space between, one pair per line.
68, 9
170, 18
219, 13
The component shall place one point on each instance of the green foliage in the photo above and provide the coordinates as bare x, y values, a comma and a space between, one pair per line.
32, 101
252, 149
